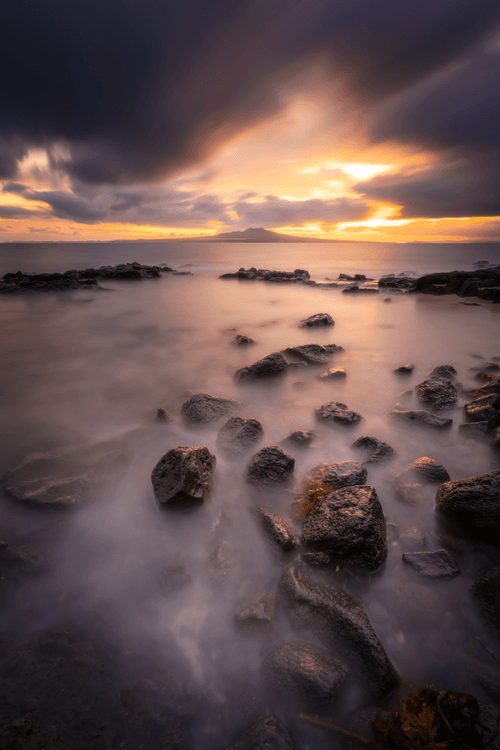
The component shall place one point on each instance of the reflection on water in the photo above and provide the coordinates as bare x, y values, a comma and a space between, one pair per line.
81, 373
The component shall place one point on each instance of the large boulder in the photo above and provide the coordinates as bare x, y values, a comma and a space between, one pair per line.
484, 409
423, 418
305, 674
277, 529
486, 593
474, 503
349, 525
342, 623
314, 354
202, 408
66, 477
183, 476
337, 413
380, 452
270, 467
269, 733
320, 319
238, 435
270, 366
441, 393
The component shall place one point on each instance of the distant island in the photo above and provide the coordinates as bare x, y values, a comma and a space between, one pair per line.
253, 234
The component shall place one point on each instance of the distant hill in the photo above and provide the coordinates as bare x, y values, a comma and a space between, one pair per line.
258, 234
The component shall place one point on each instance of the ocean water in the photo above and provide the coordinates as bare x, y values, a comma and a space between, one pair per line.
83, 367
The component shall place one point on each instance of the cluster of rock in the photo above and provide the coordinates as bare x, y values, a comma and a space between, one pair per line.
264, 274
482, 282
276, 364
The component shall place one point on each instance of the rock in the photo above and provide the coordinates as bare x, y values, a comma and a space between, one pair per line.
183, 476
404, 369
254, 274
354, 289
427, 470
392, 530
408, 492
486, 367
334, 476
16, 565
486, 593
481, 282
277, 529
341, 622
443, 371
220, 565
402, 282
356, 277
348, 525
201, 408
473, 430
335, 373
66, 477
268, 733
484, 409
241, 340
238, 435
316, 559
439, 564
301, 438
75, 279
471, 304
474, 503
337, 413
175, 577
309, 675
495, 438
388, 299
420, 417
271, 466
314, 354
380, 451
270, 366
260, 617
162, 416
441, 393
320, 319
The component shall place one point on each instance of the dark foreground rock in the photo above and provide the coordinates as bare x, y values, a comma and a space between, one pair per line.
474, 503
348, 525
183, 476
270, 467
342, 623
441, 393
277, 529
202, 408
484, 409
259, 618
438, 564
401, 282
421, 417
306, 675
486, 593
314, 354
380, 452
66, 477
268, 733
270, 366
337, 413
482, 283
239, 435
320, 319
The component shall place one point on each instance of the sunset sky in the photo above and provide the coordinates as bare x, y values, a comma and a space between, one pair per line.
343, 119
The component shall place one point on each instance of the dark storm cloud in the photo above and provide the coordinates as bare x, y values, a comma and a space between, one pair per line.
137, 88
14, 187
17, 212
274, 211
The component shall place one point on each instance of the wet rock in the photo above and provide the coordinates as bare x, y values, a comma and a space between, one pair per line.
413, 539
316, 559
270, 366
486, 367
335, 373
175, 577
484, 409
301, 438
349, 525
66, 477
421, 417
260, 617
408, 492
404, 369
341, 622
16, 565
473, 430
441, 393
264, 274
201, 408
402, 282
380, 451
443, 371
307, 674
163, 416
268, 733
356, 277
388, 299
220, 565
427, 470
314, 354
270, 467
241, 340
277, 529
486, 593
474, 503
17, 283
183, 476
337, 413
320, 319
495, 438
392, 530
470, 304
238, 435
334, 476
481, 282
439, 564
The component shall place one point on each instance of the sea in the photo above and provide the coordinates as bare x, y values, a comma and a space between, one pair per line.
83, 367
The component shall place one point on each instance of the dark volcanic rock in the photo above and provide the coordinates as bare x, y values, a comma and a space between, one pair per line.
486, 593
428, 470
314, 354
271, 466
301, 438
267, 734
443, 371
404, 369
239, 435
341, 622
474, 430
16, 565
273, 364
495, 438
277, 529
260, 617
261, 274
316, 559
335, 373
162, 415
336, 475
474, 503
16, 283
482, 282
420, 417
337, 413
403, 283
484, 409
306, 674
66, 477
220, 565
439, 564
241, 340
441, 393
183, 476
320, 319
380, 451
202, 408
349, 525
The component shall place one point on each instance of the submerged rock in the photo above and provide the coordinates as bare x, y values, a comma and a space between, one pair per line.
484, 409
380, 451
320, 319
202, 408
241, 340
238, 435
402, 282
404, 369
277, 529
349, 525
474, 503
17, 283
440, 392
270, 366
473, 430
486, 593
175, 577
426, 469
183, 476
341, 622
495, 438
163, 416
220, 565
335, 373
306, 674
420, 417
271, 466
439, 564
268, 733
301, 438
337, 413
260, 617
314, 354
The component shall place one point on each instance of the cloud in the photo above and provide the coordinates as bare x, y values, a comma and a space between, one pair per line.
14, 187
277, 212
18, 212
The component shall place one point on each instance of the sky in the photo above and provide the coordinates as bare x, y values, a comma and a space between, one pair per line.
369, 120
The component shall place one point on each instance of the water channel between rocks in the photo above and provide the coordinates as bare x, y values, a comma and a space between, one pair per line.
80, 368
